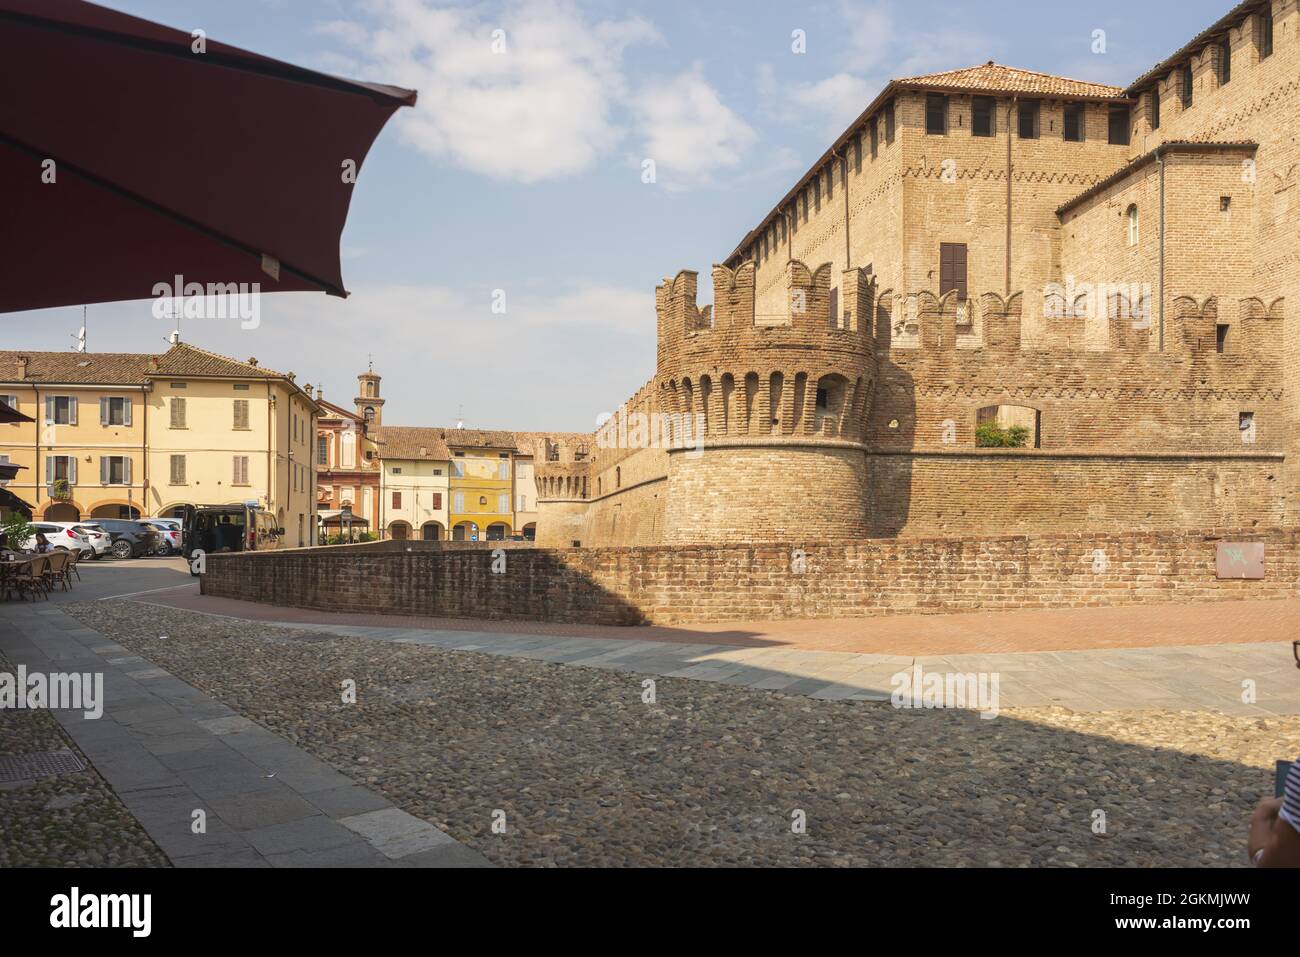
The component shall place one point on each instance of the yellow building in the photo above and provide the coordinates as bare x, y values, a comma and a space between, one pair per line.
415, 485
125, 435
482, 484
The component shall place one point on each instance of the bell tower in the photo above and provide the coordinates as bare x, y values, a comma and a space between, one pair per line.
369, 403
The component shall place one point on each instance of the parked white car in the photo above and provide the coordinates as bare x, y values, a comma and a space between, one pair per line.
62, 535
100, 541
169, 534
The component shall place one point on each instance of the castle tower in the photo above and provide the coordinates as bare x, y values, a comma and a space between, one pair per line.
772, 410
369, 403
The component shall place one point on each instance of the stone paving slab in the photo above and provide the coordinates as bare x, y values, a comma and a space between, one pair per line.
169, 750
1195, 678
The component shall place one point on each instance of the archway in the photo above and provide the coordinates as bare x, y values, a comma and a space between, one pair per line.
129, 512
62, 512
465, 532
399, 531
498, 532
432, 532
530, 531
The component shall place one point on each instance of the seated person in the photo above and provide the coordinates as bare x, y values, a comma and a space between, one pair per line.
1275, 828
43, 544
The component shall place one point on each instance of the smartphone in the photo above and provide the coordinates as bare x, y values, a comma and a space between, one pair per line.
1279, 785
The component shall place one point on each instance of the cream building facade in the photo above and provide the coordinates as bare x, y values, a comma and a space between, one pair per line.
415, 487
126, 435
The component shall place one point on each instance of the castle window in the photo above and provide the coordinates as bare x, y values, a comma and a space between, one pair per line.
1221, 338
1225, 204
873, 131
1008, 427
1074, 122
889, 122
857, 154
1029, 120
1264, 34
1133, 225
1225, 61
618, 476
952, 269
830, 180
1186, 80
817, 193
1118, 124
983, 121
1155, 106
936, 114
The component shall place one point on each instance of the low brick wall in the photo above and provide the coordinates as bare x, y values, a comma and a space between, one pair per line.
666, 584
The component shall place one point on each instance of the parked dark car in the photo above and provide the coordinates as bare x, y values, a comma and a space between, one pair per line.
229, 528
130, 539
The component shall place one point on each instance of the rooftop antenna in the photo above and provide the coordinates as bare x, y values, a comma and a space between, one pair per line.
81, 333
460, 416
174, 337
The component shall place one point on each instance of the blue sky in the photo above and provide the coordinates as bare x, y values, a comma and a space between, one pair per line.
521, 171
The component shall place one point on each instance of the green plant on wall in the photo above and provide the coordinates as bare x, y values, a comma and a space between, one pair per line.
990, 436
61, 490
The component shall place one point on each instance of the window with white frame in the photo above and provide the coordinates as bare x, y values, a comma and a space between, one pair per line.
60, 468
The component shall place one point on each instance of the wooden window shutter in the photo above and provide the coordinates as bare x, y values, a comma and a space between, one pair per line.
952, 269
437, 500
241, 413
126, 411
103, 411
49, 470
49, 410
397, 500
178, 470
178, 412
72, 470
104, 466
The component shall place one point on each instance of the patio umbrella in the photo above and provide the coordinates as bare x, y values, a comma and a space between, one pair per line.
128, 159
9, 414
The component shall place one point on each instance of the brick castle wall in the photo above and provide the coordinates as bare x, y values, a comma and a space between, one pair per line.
700, 583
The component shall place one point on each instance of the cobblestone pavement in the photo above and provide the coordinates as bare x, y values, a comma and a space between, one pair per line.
66, 820
580, 769
208, 786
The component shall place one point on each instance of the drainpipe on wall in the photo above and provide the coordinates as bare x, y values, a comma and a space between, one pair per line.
1160, 159
1010, 113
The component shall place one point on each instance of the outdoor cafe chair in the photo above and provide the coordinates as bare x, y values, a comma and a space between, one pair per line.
30, 576
56, 570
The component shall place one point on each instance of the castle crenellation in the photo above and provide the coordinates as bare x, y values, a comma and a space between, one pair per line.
1096, 276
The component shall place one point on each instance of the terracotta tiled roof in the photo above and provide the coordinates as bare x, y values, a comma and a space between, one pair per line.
127, 368
89, 368
184, 359
411, 442
478, 439
995, 78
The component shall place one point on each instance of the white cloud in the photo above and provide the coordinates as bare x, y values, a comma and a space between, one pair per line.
835, 101
542, 108
688, 131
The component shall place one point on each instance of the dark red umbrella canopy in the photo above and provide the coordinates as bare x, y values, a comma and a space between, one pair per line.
167, 162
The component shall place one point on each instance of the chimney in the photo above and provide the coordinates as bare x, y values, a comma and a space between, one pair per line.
289, 376
22, 367
320, 393
153, 363
252, 360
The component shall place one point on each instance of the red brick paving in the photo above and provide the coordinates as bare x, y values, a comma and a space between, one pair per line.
1072, 629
